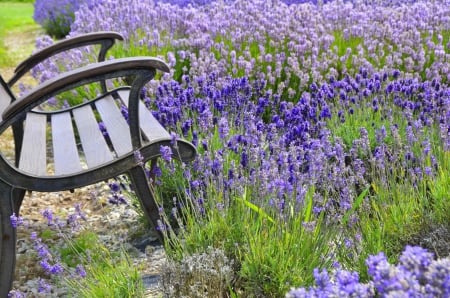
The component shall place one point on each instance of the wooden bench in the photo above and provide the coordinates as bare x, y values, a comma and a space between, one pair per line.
65, 149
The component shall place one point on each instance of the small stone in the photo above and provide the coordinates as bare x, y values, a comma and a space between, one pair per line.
149, 250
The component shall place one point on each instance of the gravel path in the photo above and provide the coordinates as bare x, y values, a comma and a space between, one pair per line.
115, 226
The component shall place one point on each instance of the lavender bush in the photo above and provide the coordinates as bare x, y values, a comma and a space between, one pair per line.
322, 130
55, 17
416, 275
184, 3
307, 152
79, 263
290, 47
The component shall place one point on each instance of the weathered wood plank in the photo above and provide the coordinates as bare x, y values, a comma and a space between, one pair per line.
95, 148
5, 97
65, 152
152, 129
117, 127
33, 158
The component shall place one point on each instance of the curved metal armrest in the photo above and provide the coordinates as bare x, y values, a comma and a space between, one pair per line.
142, 68
106, 39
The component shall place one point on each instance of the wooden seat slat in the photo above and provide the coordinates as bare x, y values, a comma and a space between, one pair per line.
95, 148
117, 127
151, 128
33, 158
65, 152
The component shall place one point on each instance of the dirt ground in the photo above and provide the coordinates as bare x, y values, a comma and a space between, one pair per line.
20, 45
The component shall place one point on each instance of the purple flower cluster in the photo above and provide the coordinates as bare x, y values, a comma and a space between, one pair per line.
166, 153
57, 64
184, 3
16, 294
416, 275
288, 46
16, 221
49, 260
316, 2
289, 2
116, 197
72, 220
247, 136
55, 16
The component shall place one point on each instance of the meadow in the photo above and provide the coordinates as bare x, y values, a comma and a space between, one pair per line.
323, 138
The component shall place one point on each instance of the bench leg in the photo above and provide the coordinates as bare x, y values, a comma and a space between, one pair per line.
145, 195
9, 202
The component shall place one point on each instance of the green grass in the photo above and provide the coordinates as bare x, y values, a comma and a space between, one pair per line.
15, 18
269, 254
439, 188
343, 44
108, 274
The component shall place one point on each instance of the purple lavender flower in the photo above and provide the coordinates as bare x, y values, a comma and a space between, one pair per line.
79, 212
45, 265
173, 139
42, 249
114, 186
166, 153
138, 158
16, 220
157, 171
438, 278
322, 279
56, 269
16, 294
417, 275
48, 214
223, 128
102, 128
117, 199
44, 287
79, 270
124, 112
415, 260
73, 219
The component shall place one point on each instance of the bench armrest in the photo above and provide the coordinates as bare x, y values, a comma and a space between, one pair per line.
143, 68
106, 39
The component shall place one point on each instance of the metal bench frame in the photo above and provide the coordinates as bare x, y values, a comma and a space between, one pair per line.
144, 136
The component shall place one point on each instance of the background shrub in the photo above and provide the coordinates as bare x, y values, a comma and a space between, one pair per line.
56, 17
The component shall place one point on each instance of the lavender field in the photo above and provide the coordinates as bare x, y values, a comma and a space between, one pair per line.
323, 138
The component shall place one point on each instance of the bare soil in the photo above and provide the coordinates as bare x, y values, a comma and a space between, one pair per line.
20, 45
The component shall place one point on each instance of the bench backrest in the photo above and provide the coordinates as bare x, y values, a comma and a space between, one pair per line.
76, 141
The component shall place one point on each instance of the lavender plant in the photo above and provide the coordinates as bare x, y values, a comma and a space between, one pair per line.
416, 275
322, 132
55, 17
246, 153
290, 47
83, 265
